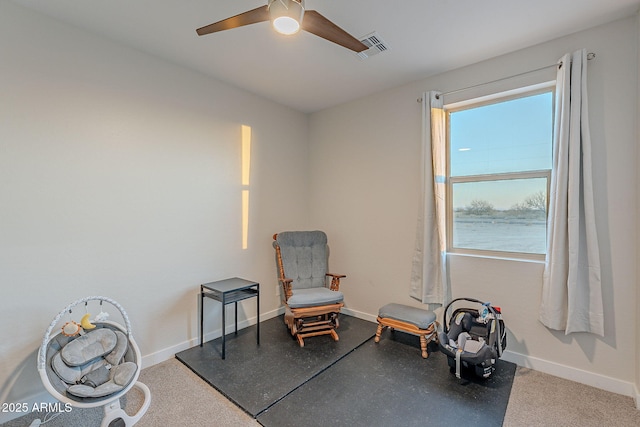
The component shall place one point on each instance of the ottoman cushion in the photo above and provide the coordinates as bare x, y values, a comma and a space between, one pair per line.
404, 313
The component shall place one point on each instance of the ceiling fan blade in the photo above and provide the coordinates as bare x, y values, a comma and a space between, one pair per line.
317, 24
258, 14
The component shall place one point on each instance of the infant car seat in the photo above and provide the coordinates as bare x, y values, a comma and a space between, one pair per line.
473, 337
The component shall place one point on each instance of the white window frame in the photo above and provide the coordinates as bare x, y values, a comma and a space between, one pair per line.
545, 173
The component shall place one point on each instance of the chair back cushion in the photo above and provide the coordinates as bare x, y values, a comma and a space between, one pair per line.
304, 257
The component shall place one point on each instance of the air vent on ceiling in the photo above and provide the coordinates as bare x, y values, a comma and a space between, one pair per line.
375, 44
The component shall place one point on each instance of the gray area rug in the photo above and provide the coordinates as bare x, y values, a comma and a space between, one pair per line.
255, 377
354, 381
388, 384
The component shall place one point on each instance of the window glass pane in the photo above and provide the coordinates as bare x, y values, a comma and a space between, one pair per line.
509, 136
503, 215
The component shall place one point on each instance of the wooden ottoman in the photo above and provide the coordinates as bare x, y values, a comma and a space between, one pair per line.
411, 320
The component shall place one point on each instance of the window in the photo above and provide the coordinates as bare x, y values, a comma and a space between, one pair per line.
499, 167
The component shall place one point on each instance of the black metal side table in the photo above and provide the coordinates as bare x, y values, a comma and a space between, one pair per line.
229, 291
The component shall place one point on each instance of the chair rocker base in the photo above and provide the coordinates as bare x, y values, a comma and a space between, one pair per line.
313, 321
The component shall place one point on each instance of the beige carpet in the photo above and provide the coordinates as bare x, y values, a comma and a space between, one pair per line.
539, 399
180, 398
191, 402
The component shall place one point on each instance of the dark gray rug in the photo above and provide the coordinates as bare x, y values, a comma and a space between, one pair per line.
352, 382
389, 384
255, 377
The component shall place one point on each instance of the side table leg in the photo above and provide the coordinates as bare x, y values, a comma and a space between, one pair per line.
201, 316
223, 327
236, 312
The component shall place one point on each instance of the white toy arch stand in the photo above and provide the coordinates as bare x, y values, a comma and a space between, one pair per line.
114, 415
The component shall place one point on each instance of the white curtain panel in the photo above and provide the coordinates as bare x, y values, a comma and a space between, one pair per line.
429, 276
572, 289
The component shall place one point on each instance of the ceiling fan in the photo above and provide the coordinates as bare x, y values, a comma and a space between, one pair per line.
288, 17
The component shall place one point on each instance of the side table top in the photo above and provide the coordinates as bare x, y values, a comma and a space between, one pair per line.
229, 285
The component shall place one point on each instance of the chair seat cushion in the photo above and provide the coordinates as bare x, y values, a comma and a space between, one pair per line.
310, 297
416, 316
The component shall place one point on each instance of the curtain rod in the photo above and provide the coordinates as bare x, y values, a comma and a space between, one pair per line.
590, 56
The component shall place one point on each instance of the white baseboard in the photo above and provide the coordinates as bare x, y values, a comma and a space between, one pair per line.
169, 352
359, 314
613, 385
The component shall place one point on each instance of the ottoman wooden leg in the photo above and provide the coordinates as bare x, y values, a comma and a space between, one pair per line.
423, 346
378, 332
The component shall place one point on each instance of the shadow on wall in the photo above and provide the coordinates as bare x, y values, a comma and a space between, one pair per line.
514, 344
23, 391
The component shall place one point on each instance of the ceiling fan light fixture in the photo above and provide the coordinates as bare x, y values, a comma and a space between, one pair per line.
286, 15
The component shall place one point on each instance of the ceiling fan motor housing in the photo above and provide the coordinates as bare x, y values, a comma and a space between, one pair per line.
286, 15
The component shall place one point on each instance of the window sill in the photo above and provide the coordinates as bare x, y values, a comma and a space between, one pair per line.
498, 257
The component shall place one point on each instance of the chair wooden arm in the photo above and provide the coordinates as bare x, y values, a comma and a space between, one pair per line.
286, 287
335, 281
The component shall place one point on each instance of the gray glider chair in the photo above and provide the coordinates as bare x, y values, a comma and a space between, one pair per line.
312, 308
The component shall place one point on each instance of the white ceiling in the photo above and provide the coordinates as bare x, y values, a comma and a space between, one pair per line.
307, 73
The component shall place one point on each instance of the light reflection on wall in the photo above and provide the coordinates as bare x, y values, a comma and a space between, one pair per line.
246, 172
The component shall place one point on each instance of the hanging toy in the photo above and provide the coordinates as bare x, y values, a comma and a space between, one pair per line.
102, 316
483, 314
85, 323
71, 329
